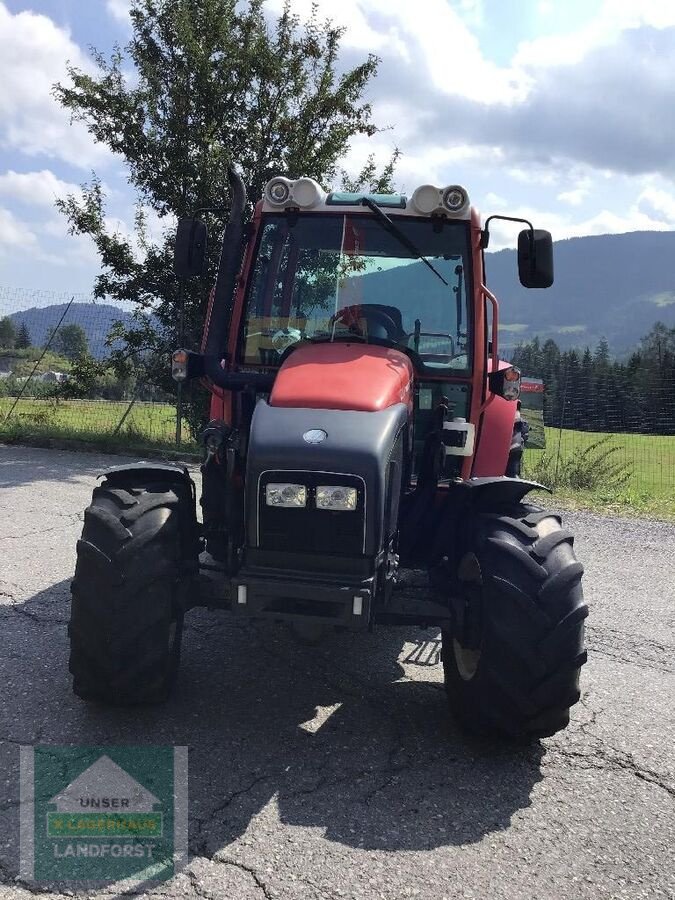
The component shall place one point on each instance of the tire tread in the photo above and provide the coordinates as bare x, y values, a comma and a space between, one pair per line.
533, 626
127, 591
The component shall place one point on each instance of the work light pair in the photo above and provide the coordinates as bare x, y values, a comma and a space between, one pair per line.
332, 497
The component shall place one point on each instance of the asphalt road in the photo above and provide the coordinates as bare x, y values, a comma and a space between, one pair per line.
334, 772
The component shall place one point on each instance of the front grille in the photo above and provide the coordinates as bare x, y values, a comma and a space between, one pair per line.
311, 530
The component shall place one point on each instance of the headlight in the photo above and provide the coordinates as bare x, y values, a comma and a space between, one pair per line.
288, 495
336, 497
455, 198
279, 190
430, 200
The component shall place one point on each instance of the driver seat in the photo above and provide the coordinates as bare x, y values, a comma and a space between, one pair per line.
375, 328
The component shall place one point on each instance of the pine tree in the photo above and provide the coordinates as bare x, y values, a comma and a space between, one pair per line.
7, 333
23, 338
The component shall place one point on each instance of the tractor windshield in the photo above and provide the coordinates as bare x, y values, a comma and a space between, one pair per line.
346, 277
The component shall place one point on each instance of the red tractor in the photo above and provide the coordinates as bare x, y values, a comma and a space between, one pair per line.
361, 422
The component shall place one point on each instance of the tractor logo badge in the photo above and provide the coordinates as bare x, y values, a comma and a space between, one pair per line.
314, 436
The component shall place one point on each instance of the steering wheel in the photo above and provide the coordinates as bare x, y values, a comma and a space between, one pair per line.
349, 315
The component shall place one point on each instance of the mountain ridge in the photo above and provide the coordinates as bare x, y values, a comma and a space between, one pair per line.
612, 286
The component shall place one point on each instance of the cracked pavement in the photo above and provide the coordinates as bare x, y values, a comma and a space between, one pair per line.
333, 771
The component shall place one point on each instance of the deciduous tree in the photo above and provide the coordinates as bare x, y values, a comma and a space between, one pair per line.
203, 84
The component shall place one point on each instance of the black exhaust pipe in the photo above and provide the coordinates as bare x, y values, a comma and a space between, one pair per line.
228, 268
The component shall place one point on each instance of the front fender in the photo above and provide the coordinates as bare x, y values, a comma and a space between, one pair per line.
465, 498
494, 438
484, 493
152, 471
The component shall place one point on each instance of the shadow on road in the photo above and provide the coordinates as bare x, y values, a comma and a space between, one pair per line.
26, 465
334, 734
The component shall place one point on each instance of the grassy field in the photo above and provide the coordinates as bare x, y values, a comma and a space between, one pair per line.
151, 425
646, 461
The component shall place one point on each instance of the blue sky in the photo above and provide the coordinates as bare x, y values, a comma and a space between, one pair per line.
559, 110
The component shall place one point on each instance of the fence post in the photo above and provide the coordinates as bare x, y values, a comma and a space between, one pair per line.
560, 427
179, 384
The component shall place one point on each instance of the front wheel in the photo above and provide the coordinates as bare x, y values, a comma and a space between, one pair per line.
136, 563
512, 663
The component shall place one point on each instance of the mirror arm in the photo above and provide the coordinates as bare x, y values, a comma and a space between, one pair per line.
485, 233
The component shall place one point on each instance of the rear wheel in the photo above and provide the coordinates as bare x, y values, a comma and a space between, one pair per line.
136, 563
512, 663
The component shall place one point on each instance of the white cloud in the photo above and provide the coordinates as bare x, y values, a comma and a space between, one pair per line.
564, 99
45, 243
562, 225
33, 56
472, 11
614, 17
421, 42
14, 233
653, 201
119, 9
495, 201
41, 188
574, 197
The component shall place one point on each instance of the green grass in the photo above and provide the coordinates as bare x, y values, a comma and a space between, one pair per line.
148, 425
649, 459
650, 489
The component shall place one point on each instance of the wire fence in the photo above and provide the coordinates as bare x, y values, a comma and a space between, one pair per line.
602, 436
586, 432
46, 391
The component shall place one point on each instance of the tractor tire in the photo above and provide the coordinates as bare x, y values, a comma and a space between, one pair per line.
137, 562
521, 587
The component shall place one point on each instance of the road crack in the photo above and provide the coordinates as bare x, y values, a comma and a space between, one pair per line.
607, 758
634, 650
249, 870
73, 518
208, 819
20, 609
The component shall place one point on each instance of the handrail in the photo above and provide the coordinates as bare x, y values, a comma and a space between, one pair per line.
495, 325
488, 295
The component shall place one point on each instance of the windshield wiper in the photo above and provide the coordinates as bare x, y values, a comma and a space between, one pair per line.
403, 238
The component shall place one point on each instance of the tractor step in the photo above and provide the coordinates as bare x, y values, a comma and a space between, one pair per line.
414, 602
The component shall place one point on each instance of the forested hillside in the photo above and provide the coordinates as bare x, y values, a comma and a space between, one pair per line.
611, 286
588, 390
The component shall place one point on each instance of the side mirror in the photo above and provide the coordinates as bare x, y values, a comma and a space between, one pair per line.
505, 383
535, 258
189, 252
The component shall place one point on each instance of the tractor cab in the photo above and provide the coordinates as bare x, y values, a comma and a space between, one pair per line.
361, 429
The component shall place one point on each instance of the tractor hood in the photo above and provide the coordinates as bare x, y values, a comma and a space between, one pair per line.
312, 447
363, 377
